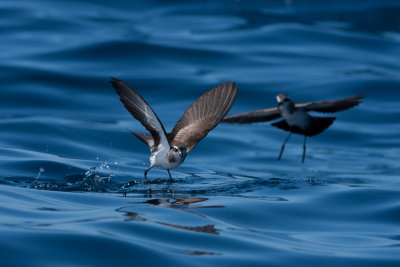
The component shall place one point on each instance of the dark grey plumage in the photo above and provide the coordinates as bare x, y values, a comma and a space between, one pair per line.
269, 114
295, 116
331, 106
317, 125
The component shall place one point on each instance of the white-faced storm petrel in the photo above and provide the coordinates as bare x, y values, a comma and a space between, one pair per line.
295, 116
168, 150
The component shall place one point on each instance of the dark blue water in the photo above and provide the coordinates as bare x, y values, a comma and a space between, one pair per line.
66, 156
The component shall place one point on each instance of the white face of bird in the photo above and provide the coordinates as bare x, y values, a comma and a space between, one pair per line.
179, 151
285, 104
281, 98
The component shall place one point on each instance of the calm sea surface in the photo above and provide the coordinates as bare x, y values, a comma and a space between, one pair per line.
66, 156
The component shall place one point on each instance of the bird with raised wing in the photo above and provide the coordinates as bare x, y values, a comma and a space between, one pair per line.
295, 116
169, 150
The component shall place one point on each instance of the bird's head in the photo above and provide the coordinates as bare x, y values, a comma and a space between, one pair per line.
285, 102
178, 151
281, 98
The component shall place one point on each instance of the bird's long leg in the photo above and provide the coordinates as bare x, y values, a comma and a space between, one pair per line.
170, 175
304, 149
145, 174
283, 146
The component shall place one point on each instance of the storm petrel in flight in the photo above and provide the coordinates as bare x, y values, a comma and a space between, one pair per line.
168, 150
295, 116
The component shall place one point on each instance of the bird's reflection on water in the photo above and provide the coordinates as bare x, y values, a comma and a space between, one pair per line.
183, 204
177, 203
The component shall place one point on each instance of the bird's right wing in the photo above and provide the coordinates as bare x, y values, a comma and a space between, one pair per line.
332, 105
141, 111
260, 115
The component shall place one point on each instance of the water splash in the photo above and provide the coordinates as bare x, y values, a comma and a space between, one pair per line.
41, 170
104, 165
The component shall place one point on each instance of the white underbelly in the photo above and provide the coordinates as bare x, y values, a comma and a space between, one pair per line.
159, 159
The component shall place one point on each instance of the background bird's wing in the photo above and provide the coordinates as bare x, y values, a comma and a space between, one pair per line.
332, 105
203, 115
254, 116
141, 111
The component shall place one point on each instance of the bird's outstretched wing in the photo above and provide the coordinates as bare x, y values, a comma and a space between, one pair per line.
260, 115
141, 111
332, 105
203, 115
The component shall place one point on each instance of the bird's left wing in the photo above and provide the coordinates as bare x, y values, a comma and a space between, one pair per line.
203, 115
332, 105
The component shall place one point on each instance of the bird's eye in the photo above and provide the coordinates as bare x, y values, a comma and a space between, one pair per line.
175, 149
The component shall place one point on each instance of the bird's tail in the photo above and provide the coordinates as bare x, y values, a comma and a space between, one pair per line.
319, 124
282, 124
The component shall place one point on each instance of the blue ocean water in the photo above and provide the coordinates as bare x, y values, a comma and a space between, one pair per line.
66, 157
